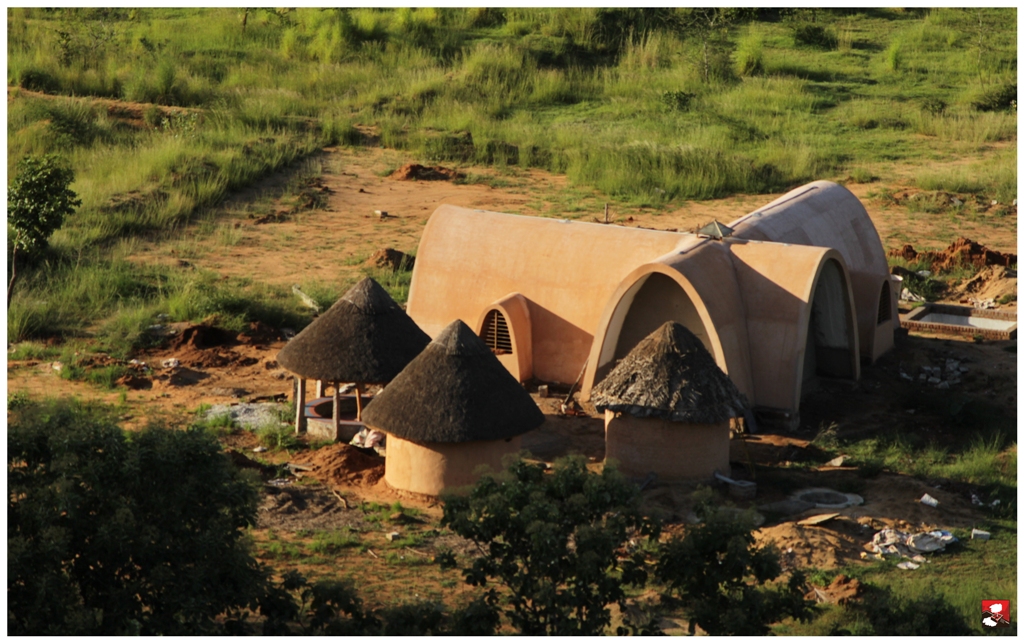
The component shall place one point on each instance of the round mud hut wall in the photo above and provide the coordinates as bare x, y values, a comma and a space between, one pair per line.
429, 468
672, 450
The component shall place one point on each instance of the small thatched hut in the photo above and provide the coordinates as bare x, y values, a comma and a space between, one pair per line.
364, 338
667, 408
453, 409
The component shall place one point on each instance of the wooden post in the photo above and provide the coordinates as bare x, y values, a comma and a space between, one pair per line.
606, 213
319, 388
359, 402
300, 405
337, 410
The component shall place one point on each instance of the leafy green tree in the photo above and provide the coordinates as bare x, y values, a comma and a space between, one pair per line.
709, 568
557, 541
109, 534
38, 201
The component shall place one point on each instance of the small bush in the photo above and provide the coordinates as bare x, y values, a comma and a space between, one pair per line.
997, 98
934, 106
678, 100
813, 35
37, 80
152, 116
277, 436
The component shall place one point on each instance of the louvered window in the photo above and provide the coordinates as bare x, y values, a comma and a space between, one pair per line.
495, 333
884, 304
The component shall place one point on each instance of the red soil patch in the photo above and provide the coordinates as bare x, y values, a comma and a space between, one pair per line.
343, 464
417, 172
962, 252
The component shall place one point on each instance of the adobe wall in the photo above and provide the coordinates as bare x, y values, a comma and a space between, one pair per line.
702, 272
429, 469
777, 284
672, 450
825, 214
567, 270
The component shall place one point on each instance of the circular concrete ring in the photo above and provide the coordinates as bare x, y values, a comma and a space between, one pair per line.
823, 498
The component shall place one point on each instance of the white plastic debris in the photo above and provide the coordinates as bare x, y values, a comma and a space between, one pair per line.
57, 366
393, 536
908, 565
170, 363
368, 439
928, 500
259, 450
978, 534
893, 542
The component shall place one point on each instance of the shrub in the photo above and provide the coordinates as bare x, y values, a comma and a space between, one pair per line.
996, 98
38, 201
555, 541
813, 35
708, 569
38, 80
108, 535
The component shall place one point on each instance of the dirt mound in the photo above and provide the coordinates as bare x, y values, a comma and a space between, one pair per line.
962, 252
841, 591
201, 337
343, 464
391, 259
259, 334
417, 172
832, 544
993, 283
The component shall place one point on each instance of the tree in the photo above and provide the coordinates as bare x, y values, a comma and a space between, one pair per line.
709, 569
109, 534
557, 541
38, 201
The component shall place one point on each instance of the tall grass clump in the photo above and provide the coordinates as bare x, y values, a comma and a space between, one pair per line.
749, 54
894, 56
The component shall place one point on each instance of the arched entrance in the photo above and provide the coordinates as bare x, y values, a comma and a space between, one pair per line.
653, 300
830, 350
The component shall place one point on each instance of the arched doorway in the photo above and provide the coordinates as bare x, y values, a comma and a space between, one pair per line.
649, 303
830, 350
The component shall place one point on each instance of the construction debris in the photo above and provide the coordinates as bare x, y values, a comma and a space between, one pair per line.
893, 542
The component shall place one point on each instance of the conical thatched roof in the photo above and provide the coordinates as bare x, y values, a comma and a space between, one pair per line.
364, 337
456, 390
670, 375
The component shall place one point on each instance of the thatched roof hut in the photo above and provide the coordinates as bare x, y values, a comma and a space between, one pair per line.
667, 408
364, 337
671, 376
452, 409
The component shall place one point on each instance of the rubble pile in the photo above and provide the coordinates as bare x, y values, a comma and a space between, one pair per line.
941, 377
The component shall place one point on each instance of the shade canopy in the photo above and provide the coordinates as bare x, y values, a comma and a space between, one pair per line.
365, 337
671, 376
456, 390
